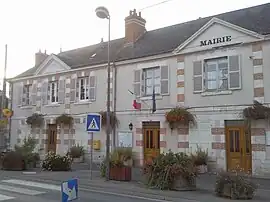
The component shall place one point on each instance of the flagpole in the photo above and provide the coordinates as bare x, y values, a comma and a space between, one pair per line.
4, 81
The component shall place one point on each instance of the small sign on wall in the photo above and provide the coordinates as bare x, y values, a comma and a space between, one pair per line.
125, 139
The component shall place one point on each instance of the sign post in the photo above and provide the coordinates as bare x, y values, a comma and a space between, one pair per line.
93, 124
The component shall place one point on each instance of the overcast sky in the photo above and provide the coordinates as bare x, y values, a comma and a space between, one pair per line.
30, 25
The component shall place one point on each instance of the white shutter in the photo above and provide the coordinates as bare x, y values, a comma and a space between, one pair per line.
92, 88
137, 83
198, 76
164, 80
234, 72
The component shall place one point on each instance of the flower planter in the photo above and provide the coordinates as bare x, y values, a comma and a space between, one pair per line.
78, 160
201, 169
228, 192
182, 184
120, 173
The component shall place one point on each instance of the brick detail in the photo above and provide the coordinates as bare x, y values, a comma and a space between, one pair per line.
180, 72
217, 131
257, 131
218, 145
183, 144
162, 131
183, 131
259, 92
180, 84
258, 76
258, 147
58, 141
139, 143
163, 144
180, 98
180, 58
256, 47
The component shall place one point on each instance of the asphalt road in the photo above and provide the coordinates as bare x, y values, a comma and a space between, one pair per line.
16, 190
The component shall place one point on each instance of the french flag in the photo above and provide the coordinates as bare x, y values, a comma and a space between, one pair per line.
136, 105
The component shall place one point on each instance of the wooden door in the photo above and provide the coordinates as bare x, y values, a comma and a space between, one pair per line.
52, 137
151, 143
238, 149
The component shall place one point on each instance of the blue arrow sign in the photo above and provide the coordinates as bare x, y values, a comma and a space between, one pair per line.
69, 190
93, 123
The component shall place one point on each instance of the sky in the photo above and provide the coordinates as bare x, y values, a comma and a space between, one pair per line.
28, 26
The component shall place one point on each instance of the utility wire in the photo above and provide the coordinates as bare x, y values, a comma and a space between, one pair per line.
153, 5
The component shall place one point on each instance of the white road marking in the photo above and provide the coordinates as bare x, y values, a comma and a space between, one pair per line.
20, 190
4, 197
133, 196
33, 184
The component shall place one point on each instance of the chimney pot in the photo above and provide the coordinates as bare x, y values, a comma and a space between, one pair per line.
134, 26
140, 14
40, 57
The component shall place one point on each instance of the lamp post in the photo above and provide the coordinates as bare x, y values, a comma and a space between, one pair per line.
103, 13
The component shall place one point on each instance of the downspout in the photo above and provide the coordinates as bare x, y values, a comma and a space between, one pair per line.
10, 107
114, 103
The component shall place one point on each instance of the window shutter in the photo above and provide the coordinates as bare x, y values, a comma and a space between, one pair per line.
234, 75
77, 90
61, 91
34, 94
92, 88
164, 80
198, 76
73, 89
24, 96
20, 94
137, 83
45, 94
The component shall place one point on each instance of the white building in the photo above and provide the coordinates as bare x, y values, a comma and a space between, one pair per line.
213, 65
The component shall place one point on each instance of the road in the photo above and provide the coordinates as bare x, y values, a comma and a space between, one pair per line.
17, 190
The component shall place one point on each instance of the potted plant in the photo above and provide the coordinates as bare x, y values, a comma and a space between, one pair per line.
120, 165
14, 161
114, 122
234, 185
77, 153
179, 116
170, 170
35, 120
64, 119
200, 159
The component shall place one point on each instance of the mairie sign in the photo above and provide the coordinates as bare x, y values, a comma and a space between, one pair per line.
69, 190
93, 123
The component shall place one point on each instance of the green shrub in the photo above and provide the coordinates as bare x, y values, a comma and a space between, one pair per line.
76, 151
55, 162
164, 170
200, 157
234, 185
13, 161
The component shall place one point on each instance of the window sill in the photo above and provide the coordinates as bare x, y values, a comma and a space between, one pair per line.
227, 92
83, 102
158, 97
53, 105
26, 107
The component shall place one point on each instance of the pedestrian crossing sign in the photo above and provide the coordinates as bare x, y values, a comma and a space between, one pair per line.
69, 190
93, 123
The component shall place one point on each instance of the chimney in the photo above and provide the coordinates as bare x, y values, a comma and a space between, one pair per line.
40, 57
134, 26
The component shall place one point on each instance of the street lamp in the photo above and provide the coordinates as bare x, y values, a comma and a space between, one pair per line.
103, 13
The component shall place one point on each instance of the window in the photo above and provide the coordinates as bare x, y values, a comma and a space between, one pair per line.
26, 95
53, 92
216, 74
83, 88
152, 80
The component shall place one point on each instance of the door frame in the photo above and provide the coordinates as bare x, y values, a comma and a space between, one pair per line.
50, 127
244, 133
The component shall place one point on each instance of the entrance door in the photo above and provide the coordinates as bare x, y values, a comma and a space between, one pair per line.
52, 137
151, 139
238, 149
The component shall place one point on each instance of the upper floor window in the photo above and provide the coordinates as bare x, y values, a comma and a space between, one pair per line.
53, 92
217, 74
148, 79
152, 80
26, 95
83, 88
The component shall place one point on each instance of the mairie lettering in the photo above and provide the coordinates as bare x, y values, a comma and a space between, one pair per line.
216, 40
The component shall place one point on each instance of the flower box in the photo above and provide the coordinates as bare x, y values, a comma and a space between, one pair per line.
201, 169
120, 173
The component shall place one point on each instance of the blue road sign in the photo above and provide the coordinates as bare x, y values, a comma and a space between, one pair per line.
93, 123
69, 190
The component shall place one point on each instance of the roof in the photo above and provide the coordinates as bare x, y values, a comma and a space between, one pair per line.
163, 40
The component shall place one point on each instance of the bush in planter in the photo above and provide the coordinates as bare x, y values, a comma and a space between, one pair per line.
234, 185
55, 162
76, 151
169, 170
200, 159
13, 161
